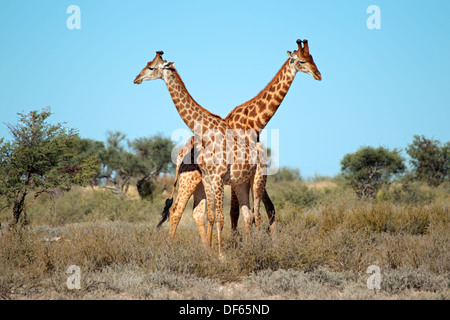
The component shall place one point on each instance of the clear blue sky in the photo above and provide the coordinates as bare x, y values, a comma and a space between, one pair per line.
379, 87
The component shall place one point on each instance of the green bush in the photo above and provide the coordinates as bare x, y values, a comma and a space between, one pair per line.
367, 169
430, 160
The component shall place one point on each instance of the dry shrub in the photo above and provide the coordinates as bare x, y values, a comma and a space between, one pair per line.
318, 248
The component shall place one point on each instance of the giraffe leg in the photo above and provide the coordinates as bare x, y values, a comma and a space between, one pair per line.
218, 187
199, 211
270, 210
187, 185
242, 193
209, 209
259, 184
234, 210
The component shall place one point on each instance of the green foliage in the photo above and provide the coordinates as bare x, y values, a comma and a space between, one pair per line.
41, 158
118, 164
288, 174
154, 155
369, 168
430, 160
288, 189
147, 189
294, 194
141, 160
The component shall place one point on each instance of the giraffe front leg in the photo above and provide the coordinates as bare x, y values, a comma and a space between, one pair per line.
259, 184
218, 187
242, 193
209, 209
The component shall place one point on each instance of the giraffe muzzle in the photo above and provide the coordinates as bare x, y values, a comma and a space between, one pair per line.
317, 75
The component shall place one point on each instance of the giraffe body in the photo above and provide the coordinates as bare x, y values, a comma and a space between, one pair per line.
213, 156
253, 115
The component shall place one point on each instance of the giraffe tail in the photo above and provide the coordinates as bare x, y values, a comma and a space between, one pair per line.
181, 154
166, 212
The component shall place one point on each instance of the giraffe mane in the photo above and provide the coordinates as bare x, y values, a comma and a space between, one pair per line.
260, 93
175, 72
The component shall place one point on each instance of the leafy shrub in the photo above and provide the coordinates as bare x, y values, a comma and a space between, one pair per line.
430, 160
369, 168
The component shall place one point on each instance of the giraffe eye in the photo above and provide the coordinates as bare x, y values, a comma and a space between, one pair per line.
150, 68
302, 62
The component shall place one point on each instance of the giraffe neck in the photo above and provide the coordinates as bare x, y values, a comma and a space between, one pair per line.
256, 113
190, 111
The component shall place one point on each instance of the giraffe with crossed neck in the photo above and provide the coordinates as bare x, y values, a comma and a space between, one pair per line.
253, 114
241, 166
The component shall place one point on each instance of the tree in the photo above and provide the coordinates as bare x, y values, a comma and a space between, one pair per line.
94, 149
155, 156
430, 160
41, 158
369, 168
288, 174
144, 160
119, 165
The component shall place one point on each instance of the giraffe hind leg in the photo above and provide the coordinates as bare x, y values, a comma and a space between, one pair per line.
187, 184
198, 212
234, 210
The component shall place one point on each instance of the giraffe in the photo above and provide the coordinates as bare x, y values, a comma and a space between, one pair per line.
245, 170
253, 114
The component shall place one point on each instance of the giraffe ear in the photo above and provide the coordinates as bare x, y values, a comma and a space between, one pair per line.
168, 65
289, 53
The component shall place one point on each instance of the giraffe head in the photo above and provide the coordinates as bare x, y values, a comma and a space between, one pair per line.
301, 60
154, 69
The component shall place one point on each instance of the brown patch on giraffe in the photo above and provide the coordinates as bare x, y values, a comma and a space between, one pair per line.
266, 116
252, 113
273, 106
261, 109
238, 125
259, 123
239, 110
261, 103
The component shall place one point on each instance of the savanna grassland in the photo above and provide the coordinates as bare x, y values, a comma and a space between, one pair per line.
326, 239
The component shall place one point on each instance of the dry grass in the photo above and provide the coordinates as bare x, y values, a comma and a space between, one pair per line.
322, 184
321, 251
